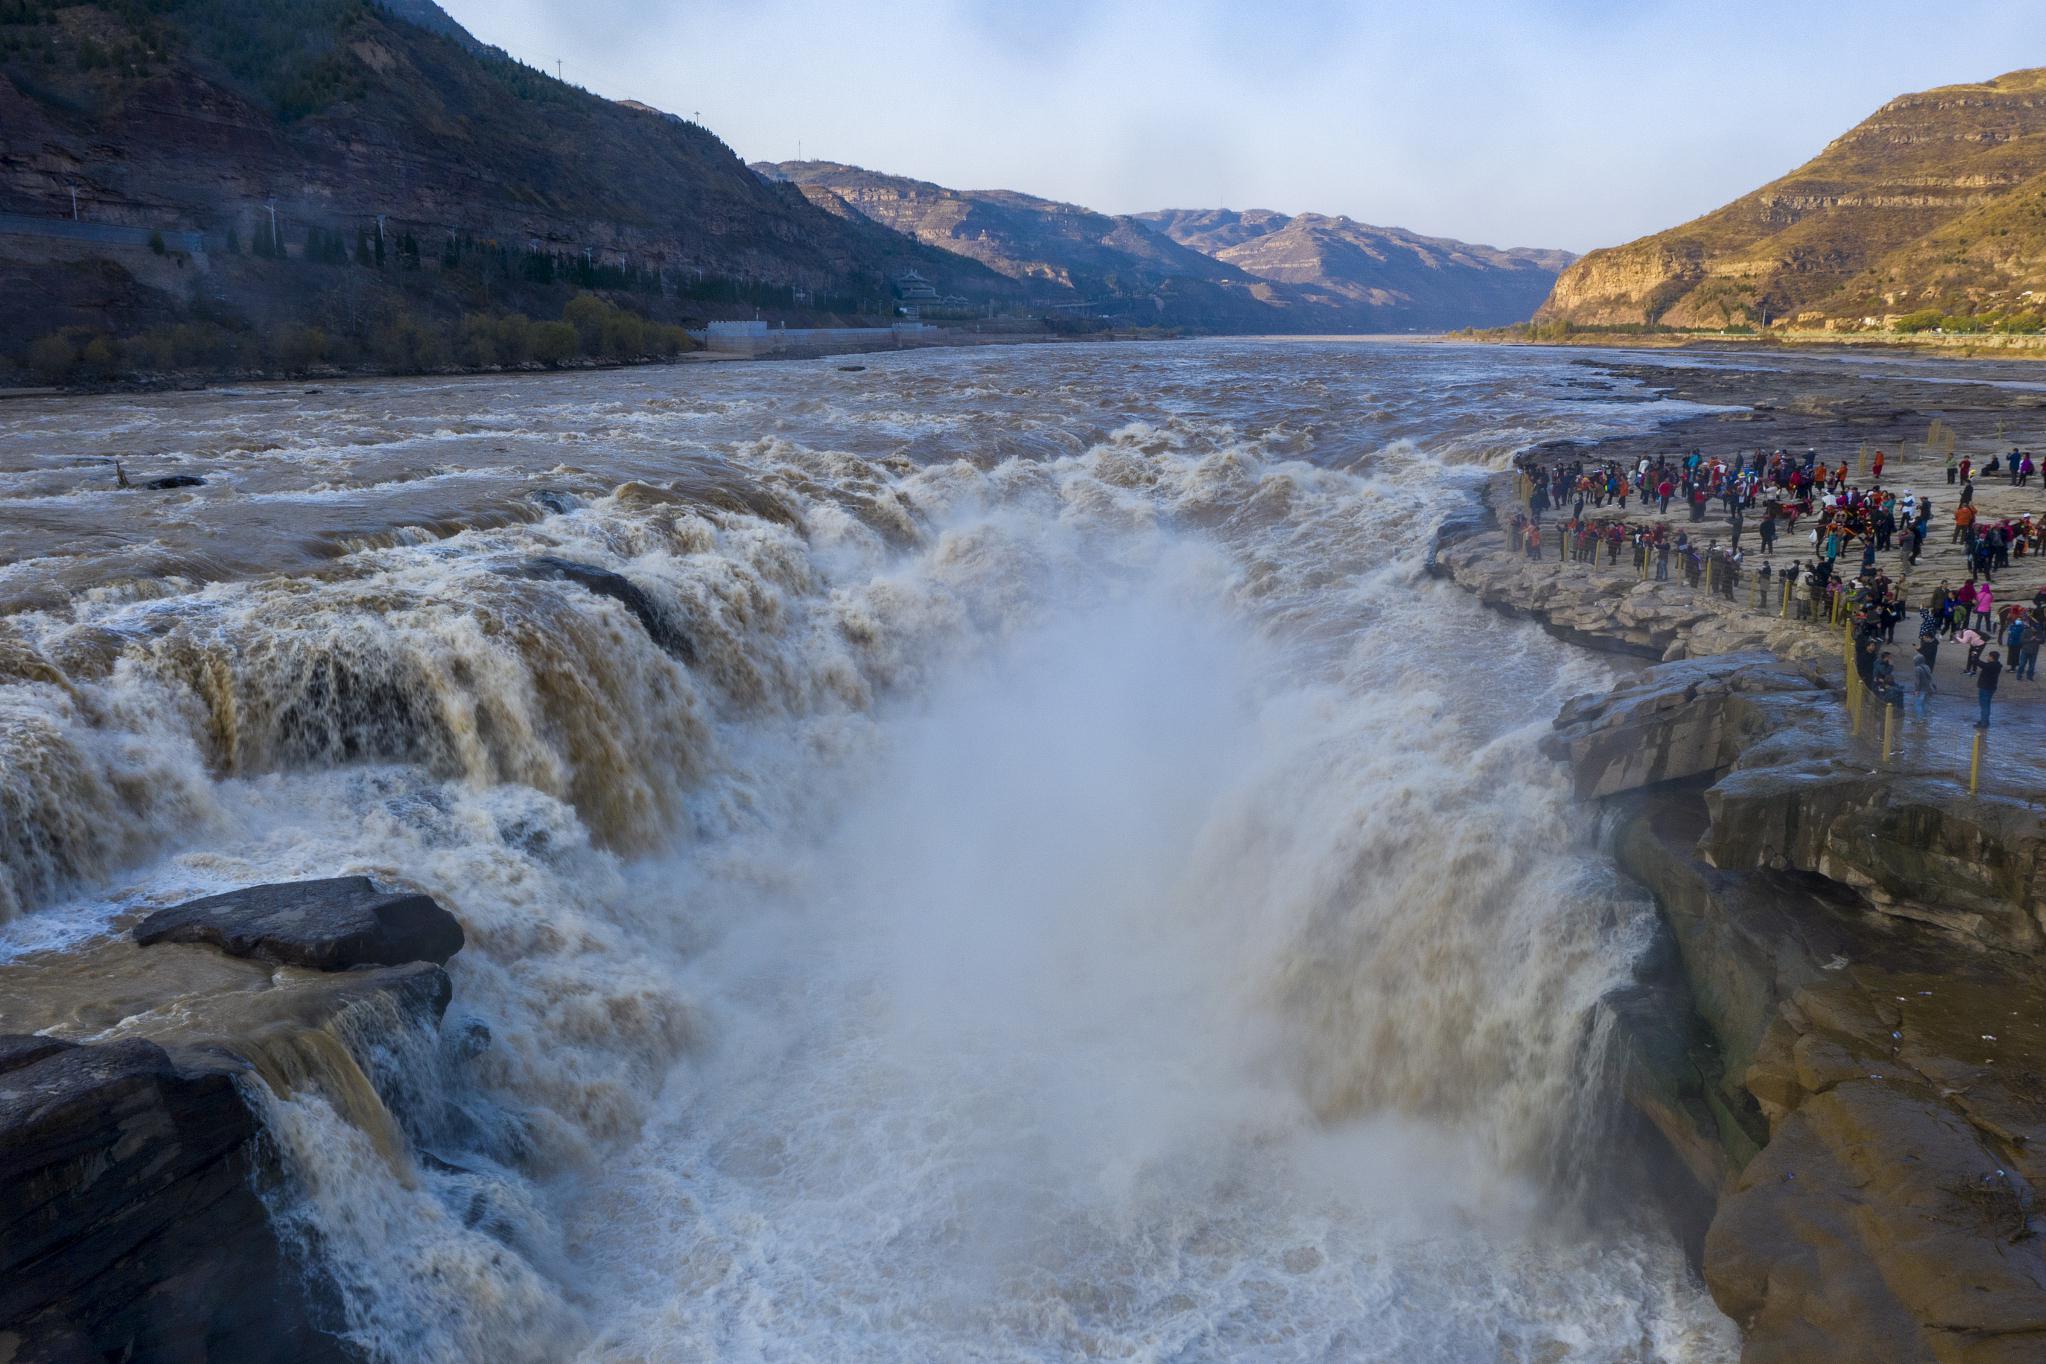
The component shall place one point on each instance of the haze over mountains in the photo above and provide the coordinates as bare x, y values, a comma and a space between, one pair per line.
1256, 269
1935, 202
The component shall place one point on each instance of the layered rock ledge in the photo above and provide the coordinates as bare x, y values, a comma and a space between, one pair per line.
1859, 945
132, 1224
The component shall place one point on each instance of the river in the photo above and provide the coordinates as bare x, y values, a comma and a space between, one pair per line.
1070, 886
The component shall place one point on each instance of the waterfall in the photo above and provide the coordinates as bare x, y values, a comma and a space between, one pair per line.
1030, 885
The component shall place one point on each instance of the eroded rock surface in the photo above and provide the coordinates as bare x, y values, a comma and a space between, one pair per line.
1859, 943
1895, 1207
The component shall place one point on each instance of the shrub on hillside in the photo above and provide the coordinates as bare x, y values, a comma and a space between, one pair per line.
72, 355
553, 343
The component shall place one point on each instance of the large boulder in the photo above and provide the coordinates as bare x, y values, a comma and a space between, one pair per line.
329, 925
1679, 720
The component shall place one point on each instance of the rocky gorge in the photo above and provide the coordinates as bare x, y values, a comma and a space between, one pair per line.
1840, 1039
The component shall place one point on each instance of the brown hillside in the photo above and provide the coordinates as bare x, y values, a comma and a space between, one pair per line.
1917, 205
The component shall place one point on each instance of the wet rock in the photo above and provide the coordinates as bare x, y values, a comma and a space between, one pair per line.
328, 925
618, 588
176, 481
131, 1228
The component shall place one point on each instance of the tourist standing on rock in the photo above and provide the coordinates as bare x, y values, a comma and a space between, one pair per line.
2028, 661
2014, 641
1985, 603
1985, 686
1922, 687
1884, 681
1866, 645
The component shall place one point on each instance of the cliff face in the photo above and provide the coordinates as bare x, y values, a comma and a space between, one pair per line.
1862, 950
1381, 277
1930, 202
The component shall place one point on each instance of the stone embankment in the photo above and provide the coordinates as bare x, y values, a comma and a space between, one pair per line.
132, 1222
1847, 1055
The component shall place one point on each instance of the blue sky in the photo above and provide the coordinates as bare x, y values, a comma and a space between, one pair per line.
1574, 123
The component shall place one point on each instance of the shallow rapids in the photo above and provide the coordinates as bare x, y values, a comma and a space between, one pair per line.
1018, 861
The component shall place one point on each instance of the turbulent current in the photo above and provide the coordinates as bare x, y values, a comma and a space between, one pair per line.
1020, 862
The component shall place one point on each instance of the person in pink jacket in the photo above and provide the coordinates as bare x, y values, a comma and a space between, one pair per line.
1975, 644
1985, 602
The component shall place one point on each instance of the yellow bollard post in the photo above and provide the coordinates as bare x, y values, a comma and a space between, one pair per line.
1787, 585
1889, 732
1975, 764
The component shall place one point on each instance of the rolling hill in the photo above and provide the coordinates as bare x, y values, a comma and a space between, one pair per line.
1936, 201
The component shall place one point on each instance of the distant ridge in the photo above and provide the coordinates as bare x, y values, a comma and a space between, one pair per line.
1936, 201
1067, 254
1217, 268
1339, 262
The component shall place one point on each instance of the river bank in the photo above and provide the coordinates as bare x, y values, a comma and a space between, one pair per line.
1842, 1042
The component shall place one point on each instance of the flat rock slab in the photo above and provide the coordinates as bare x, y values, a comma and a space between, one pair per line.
329, 925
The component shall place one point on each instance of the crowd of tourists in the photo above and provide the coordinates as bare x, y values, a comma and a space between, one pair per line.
1849, 525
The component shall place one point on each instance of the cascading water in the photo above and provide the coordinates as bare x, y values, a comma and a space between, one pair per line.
1036, 873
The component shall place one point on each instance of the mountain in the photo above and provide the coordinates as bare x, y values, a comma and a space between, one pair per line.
1937, 201
195, 119
1067, 255
1386, 276
1213, 268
